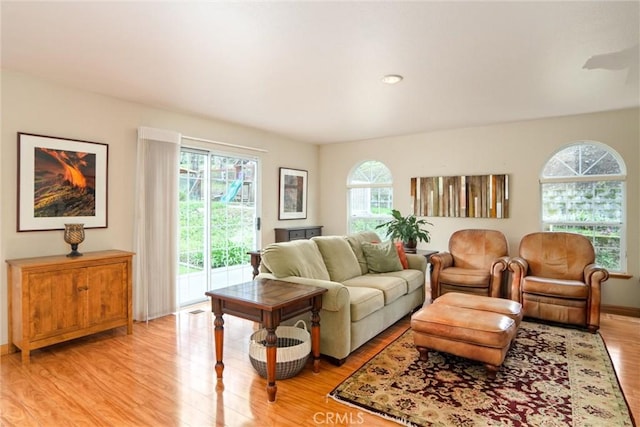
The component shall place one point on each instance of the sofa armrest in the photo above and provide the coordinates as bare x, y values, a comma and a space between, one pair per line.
439, 262
335, 299
500, 264
518, 267
335, 317
498, 268
417, 262
595, 275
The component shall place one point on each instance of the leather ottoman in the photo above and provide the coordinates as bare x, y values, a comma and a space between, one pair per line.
507, 307
476, 334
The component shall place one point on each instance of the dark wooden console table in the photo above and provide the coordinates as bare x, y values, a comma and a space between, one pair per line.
268, 302
426, 253
297, 233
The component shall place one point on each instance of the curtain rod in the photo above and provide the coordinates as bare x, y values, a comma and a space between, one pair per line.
193, 138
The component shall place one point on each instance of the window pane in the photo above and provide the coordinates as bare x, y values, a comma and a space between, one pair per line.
582, 201
365, 224
603, 165
582, 160
605, 239
369, 206
381, 201
560, 165
371, 172
370, 201
191, 204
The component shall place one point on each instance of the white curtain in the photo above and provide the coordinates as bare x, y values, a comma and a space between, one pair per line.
156, 223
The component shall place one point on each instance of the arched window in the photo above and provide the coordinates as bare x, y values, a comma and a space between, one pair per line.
583, 191
370, 192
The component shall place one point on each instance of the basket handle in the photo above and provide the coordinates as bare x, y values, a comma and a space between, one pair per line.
304, 325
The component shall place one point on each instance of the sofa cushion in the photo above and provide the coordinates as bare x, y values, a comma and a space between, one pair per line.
556, 288
413, 278
381, 257
364, 301
465, 276
300, 258
339, 259
391, 287
355, 241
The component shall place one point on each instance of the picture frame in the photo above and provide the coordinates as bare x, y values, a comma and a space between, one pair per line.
61, 181
293, 194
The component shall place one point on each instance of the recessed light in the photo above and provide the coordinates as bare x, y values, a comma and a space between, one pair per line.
392, 79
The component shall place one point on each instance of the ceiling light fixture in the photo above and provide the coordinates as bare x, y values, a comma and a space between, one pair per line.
392, 79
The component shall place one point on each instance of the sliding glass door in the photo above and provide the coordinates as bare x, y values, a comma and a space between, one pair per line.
218, 218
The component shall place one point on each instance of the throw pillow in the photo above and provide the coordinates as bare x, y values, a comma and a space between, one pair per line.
355, 240
402, 255
381, 257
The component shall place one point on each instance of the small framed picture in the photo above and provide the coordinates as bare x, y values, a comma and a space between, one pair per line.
293, 194
61, 181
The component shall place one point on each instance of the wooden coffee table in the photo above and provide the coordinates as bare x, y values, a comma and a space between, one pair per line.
268, 302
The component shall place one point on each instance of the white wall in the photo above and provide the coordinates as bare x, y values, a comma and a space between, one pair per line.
35, 106
518, 149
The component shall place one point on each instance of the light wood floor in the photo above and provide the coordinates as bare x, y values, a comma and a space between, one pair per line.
163, 375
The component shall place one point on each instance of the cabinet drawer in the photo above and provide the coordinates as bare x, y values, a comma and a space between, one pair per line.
311, 232
296, 234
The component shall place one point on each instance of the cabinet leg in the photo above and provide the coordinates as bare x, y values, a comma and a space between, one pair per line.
26, 356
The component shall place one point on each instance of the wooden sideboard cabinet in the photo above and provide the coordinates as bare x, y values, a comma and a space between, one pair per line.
297, 233
57, 298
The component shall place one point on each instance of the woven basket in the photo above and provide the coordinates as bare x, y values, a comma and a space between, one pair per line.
294, 347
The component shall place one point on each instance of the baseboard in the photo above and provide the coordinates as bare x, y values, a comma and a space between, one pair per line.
620, 310
5, 349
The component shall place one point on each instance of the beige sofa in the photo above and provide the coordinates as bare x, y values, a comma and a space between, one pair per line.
364, 297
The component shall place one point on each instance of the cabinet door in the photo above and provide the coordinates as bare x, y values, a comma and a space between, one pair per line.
107, 296
54, 300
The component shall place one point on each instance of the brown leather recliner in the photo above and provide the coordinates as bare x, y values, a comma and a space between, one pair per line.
555, 279
475, 264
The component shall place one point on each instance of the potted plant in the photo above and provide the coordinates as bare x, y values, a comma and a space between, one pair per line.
408, 229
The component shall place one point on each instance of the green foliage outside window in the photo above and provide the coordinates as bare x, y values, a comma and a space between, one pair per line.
232, 231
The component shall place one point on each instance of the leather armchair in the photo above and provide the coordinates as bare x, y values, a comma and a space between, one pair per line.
555, 279
475, 264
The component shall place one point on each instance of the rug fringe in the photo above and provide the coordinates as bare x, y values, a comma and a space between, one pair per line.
401, 421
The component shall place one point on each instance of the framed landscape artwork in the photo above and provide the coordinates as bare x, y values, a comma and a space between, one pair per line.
293, 194
61, 181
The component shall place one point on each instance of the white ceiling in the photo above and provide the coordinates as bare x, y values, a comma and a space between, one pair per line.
311, 70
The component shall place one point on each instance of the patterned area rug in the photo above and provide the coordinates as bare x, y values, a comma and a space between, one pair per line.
552, 376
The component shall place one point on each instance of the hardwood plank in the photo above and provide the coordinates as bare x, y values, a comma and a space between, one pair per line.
164, 374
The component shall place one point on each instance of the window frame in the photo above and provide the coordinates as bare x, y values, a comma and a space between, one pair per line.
619, 177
